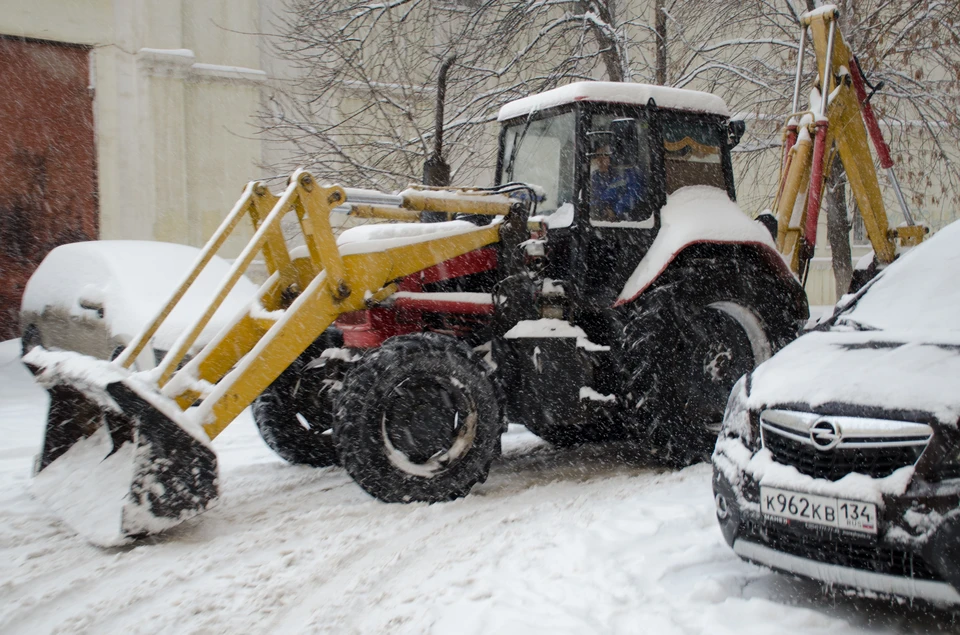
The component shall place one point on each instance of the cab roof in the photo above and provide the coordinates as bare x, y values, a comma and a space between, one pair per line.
616, 93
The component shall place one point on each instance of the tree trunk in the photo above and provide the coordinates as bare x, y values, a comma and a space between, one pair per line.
660, 27
610, 50
838, 227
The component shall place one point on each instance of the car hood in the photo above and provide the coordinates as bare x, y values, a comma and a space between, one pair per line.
906, 372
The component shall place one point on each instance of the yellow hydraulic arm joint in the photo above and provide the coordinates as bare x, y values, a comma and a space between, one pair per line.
302, 296
840, 121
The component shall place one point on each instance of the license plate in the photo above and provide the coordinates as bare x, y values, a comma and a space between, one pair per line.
840, 513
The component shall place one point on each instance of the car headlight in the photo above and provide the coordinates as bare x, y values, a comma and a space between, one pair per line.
949, 466
738, 421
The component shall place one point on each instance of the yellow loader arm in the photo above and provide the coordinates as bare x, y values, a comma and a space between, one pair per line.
839, 121
324, 285
105, 419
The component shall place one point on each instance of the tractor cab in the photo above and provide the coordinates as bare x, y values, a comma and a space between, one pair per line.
605, 157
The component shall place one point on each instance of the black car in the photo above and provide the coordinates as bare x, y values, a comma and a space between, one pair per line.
839, 457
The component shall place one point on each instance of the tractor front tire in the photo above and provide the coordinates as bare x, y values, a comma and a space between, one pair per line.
418, 420
294, 415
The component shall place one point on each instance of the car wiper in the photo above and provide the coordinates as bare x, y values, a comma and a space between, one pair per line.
859, 326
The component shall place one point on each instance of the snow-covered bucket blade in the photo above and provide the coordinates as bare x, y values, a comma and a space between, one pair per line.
113, 466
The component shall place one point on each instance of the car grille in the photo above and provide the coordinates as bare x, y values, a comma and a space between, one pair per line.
831, 447
843, 551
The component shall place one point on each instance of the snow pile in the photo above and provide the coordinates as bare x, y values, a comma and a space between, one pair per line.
464, 196
589, 394
82, 371
89, 488
693, 214
619, 93
132, 280
465, 297
552, 327
733, 458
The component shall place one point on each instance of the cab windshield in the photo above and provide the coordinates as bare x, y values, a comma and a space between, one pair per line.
541, 152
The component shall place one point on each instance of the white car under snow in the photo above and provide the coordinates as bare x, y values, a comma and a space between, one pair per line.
94, 297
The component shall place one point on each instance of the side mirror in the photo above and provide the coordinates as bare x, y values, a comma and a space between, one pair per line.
91, 299
768, 220
737, 128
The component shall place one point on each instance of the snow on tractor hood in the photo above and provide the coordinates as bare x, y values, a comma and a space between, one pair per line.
897, 371
694, 214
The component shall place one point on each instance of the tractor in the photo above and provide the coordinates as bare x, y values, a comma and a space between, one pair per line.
606, 287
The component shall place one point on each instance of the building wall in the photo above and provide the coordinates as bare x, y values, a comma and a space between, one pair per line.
176, 90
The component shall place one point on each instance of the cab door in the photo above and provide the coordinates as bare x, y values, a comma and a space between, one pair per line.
623, 193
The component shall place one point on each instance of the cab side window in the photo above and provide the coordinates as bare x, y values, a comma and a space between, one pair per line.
619, 152
692, 154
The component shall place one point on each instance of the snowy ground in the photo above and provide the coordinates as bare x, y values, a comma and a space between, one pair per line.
572, 541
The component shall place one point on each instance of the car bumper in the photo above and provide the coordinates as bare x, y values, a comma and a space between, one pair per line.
924, 566
836, 575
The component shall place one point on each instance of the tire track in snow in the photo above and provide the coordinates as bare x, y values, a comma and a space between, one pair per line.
514, 494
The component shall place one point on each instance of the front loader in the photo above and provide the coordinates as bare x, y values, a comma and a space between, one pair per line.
607, 287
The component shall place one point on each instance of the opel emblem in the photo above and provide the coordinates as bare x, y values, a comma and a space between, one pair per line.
824, 434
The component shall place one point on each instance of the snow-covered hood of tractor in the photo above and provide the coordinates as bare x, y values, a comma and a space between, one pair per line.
693, 214
906, 371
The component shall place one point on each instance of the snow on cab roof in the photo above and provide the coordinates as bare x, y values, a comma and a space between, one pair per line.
618, 93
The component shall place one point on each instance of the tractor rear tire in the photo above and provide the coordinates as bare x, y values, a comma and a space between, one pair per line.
294, 415
418, 420
686, 360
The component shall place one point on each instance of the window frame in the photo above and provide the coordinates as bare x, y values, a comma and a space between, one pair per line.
650, 201
668, 116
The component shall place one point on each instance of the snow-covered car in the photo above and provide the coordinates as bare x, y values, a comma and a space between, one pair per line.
839, 457
94, 297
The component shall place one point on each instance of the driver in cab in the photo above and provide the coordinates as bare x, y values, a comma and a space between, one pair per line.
614, 191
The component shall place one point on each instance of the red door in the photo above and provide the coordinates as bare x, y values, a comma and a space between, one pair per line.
48, 184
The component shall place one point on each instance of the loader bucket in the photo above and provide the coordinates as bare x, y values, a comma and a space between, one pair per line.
116, 463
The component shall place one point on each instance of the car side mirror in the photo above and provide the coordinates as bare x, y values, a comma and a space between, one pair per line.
737, 128
91, 299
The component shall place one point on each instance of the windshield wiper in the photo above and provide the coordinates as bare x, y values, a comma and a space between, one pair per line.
508, 171
858, 326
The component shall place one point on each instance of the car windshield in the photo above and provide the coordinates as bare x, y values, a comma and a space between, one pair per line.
921, 291
541, 152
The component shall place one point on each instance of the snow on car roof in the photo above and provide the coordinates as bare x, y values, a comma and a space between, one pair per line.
617, 93
132, 279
